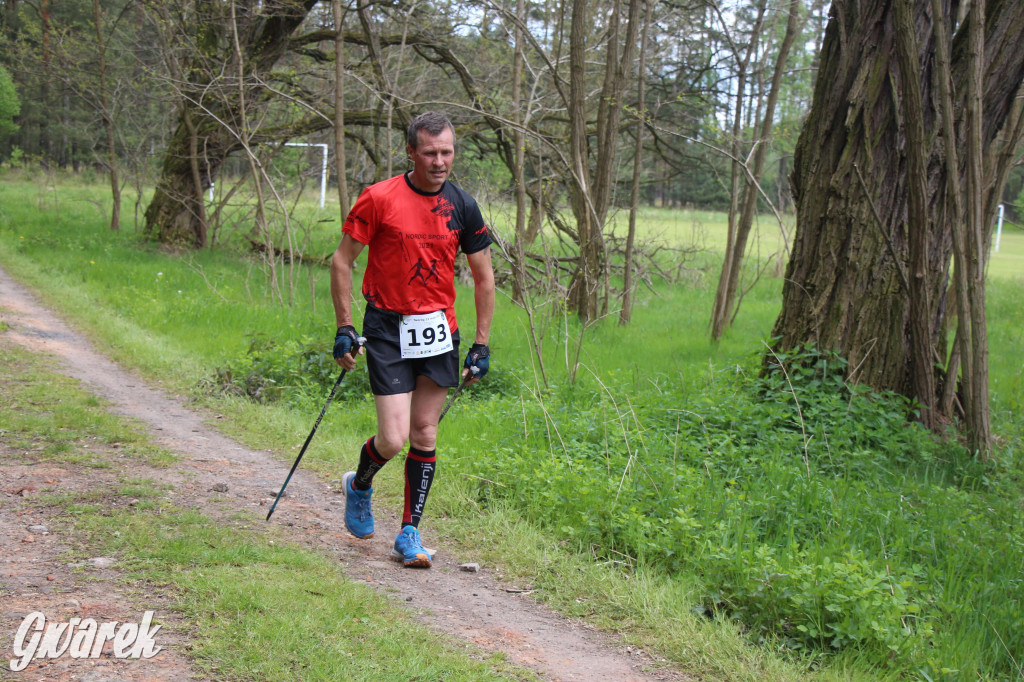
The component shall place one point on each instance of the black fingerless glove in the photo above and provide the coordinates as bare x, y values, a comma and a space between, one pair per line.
477, 357
346, 341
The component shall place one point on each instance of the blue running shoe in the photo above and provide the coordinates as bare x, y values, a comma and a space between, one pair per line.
358, 517
409, 550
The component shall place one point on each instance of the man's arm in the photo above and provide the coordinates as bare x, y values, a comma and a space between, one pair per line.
341, 286
341, 278
483, 292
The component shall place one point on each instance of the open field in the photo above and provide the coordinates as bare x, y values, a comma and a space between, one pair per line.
801, 529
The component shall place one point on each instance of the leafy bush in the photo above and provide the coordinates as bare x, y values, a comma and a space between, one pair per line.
820, 515
300, 370
303, 369
822, 603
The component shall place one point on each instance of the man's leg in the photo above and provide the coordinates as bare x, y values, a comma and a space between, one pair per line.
420, 464
425, 407
392, 432
393, 422
370, 462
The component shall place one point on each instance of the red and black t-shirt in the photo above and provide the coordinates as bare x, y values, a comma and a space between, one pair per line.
413, 239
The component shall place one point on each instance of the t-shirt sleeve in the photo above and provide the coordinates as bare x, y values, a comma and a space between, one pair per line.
475, 234
362, 219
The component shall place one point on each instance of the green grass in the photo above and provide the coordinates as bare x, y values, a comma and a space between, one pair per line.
667, 475
1008, 261
256, 606
264, 609
49, 417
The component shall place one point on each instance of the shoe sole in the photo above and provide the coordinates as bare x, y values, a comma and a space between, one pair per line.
344, 491
421, 560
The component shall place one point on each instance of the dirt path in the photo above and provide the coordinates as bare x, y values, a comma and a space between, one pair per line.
470, 606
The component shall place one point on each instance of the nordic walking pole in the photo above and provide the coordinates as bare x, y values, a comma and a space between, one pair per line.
473, 372
305, 445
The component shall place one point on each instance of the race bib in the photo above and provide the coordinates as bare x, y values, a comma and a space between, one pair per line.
423, 336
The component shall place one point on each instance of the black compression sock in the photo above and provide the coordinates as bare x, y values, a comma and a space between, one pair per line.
419, 476
370, 462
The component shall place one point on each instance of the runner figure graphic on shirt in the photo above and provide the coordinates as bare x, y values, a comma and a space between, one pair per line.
433, 270
417, 271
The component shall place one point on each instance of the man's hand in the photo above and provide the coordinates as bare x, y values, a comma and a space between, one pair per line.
477, 357
347, 345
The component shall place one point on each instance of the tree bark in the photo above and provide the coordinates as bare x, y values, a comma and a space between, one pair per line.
519, 165
583, 290
733, 253
174, 213
107, 115
846, 285
732, 265
591, 193
626, 313
977, 252
922, 339
338, 13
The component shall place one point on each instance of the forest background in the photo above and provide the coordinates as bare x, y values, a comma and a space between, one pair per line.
623, 152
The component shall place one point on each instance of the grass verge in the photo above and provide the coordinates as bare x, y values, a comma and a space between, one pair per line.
829, 531
260, 608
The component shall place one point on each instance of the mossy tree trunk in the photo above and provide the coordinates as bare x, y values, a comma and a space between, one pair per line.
862, 278
210, 116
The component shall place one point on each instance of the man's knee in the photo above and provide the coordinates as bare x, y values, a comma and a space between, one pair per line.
390, 441
423, 435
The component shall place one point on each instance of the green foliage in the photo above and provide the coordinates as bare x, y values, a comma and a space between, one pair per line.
298, 370
820, 603
10, 105
813, 513
817, 513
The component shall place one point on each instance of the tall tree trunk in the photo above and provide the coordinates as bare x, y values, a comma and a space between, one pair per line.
339, 105
626, 313
961, 357
175, 212
519, 170
978, 418
107, 115
592, 194
848, 285
732, 258
385, 86
45, 142
583, 290
918, 225
725, 305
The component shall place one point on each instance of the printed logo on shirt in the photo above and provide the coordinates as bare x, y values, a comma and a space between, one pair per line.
353, 218
445, 209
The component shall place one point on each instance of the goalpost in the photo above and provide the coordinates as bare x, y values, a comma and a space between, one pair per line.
999, 227
323, 168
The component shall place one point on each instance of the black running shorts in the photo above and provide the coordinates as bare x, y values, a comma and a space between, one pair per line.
389, 373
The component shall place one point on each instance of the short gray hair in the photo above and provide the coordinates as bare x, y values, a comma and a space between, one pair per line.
431, 121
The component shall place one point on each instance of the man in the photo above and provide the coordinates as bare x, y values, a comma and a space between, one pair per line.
414, 225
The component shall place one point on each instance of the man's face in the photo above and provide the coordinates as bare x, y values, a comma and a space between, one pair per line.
432, 160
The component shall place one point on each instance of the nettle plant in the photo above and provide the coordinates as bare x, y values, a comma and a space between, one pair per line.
775, 489
299, 370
